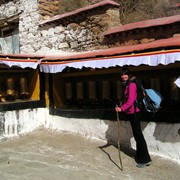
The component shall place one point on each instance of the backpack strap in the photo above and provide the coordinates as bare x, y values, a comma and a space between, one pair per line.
141, 93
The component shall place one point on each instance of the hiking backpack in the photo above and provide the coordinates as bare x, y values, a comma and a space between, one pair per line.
148, 99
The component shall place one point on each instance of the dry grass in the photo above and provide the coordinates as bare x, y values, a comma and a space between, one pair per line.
130, 10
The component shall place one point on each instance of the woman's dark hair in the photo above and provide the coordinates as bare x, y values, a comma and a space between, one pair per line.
126, 71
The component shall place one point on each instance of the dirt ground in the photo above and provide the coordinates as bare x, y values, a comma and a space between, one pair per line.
47, 155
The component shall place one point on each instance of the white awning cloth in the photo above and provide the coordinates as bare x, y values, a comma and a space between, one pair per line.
151, 59
29, 63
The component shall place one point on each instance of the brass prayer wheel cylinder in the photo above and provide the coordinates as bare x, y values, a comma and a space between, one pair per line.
0, 97
68, 88
10, 84
10, 92
92, 89
105, 89
23, 88
79, 88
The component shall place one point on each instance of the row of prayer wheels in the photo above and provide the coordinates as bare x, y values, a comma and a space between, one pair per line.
11, 91
92, 90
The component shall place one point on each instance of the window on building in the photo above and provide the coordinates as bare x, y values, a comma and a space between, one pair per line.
9, 40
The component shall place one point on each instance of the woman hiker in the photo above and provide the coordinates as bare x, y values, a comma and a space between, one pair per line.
134, 116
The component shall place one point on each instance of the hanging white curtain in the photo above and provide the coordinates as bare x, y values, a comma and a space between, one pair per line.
150, 59
25, 63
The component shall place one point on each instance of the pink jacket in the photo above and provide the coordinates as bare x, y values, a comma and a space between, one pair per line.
130, 95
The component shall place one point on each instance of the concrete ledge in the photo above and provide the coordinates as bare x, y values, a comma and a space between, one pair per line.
109, 114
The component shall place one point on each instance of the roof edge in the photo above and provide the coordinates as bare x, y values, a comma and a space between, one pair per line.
77, 11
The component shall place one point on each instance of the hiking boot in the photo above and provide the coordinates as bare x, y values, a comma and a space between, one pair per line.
141, 165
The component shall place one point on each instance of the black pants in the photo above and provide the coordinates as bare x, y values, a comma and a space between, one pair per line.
142, 153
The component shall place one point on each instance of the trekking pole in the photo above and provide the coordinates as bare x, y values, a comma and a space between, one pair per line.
117, 114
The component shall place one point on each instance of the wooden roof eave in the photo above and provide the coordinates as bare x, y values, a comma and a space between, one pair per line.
169, 43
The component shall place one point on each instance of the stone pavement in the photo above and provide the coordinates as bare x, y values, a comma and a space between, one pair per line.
47, 155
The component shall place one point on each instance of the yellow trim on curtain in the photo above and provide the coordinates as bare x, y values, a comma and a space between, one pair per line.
58, 91
34, 85
47, 89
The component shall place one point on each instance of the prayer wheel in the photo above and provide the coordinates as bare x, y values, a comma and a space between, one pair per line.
119, 89
92, 89
0, 97
10, 93
68, 90
106, 101
92, 94
23, 88
105, 90
80, 93
68, 93
155, 84
120, 93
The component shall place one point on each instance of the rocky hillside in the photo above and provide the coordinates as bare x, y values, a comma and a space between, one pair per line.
130, 10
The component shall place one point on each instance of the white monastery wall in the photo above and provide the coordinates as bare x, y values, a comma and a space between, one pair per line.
162, 138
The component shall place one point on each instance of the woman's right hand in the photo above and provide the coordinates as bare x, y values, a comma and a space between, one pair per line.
117, 109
